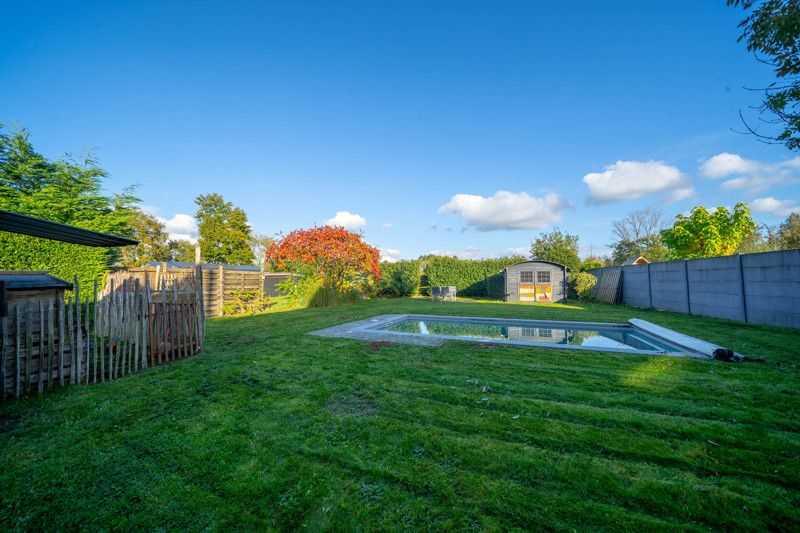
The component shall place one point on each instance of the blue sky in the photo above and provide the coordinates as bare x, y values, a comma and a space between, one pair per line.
456, 127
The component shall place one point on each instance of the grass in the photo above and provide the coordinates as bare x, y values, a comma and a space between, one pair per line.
274, 429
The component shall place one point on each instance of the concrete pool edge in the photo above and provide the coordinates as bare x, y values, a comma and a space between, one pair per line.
369, 330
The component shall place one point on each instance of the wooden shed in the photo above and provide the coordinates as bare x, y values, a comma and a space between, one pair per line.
535, 281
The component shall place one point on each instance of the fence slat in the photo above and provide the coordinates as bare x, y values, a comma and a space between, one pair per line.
71, 333
17, 354
79, 332
86, 326
61, 342
28, 344
5, 347
94, 330
50, 344
40, 387
110, 326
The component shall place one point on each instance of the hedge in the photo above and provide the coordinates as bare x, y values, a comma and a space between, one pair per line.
471, 277
401, 278
63, 260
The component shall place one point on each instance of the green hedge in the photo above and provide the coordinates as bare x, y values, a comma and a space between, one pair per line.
63, 260
401, 278
471, 277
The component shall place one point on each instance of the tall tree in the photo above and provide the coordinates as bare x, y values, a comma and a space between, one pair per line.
153, 241
181, 250
638, 233
65, 191
260, 244
557, 247
772, 32
789, 232
225, 236
707, 233
764, 238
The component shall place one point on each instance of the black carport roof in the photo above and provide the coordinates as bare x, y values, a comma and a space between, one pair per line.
39, 227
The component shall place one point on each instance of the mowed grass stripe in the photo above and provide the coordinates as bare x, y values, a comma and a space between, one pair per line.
655, 425
569, 388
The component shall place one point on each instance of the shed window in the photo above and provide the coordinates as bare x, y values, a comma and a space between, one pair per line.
546, 332
543, 276
526, 276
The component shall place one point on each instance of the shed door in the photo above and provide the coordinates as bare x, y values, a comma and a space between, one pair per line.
527, 288
544, 287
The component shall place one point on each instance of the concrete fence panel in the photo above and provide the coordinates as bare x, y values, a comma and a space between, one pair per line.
759, 288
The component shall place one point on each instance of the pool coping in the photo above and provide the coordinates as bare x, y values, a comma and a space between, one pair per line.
369, 330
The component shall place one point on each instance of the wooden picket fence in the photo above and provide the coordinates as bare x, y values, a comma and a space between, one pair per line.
50, 342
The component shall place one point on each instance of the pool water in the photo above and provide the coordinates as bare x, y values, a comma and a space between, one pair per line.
617, 337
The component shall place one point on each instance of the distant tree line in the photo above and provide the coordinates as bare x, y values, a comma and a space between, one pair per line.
703, 233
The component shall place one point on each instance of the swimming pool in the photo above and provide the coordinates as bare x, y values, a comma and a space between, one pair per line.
635, 337
621, 337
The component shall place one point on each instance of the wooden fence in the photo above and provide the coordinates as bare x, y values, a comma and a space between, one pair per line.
219, 284
124, 330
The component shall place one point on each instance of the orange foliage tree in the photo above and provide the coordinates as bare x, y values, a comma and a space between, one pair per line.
340, 258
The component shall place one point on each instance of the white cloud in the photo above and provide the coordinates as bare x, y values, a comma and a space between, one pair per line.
387, 225
390, 255
680, 194
749, 174
347, 220
772, 205
506, 210
629, 180
518, 250
725, 164
180, 227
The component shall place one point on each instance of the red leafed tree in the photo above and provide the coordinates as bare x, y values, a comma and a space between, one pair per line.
340, 258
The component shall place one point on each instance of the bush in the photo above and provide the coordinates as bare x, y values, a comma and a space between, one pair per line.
329, 297
400, 279
471, 277
581, 285
299, 290
246, 302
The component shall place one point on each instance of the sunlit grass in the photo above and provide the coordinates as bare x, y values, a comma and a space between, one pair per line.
271, 428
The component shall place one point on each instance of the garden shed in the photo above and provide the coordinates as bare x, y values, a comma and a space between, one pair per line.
535, 281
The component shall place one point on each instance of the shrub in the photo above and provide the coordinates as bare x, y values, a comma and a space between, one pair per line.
581, 285
400, 279
299, 290
339, 258
246, 302
329, 297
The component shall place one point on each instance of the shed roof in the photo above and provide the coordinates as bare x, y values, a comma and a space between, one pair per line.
559, 265
47, 229
23, 280
638, 260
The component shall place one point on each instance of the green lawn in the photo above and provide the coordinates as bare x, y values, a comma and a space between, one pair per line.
274, 429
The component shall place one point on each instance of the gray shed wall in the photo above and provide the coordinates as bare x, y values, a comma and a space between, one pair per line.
760, 288
557, 279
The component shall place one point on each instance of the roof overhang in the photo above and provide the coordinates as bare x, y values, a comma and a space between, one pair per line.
46, 229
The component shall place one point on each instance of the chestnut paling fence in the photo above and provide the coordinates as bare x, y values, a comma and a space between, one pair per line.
49, 343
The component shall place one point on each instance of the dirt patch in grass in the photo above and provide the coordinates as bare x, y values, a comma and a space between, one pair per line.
245, 339
377, 345
350, 404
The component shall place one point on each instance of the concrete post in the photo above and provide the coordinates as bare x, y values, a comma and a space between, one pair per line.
741, 288
686, 277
